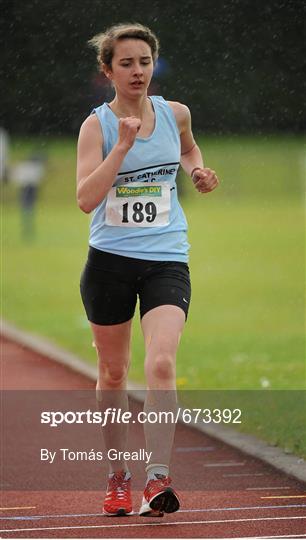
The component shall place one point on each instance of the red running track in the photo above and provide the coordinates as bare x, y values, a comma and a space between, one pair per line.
227, 494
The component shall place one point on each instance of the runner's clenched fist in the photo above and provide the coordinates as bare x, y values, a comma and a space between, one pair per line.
128, 129
205, 180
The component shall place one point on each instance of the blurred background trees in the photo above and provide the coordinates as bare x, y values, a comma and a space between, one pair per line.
238, 64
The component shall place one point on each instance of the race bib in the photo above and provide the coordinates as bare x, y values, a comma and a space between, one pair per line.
138, 205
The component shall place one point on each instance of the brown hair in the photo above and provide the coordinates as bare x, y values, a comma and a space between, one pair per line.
104, 43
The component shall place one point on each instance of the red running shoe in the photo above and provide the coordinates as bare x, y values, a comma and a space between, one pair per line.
118, 500
158, 498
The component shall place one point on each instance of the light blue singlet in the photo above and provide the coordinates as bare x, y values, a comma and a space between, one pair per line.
141, 217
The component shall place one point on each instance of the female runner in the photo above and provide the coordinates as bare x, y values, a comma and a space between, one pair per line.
129, 152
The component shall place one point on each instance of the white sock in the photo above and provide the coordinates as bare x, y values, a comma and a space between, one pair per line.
153, 471
127, 475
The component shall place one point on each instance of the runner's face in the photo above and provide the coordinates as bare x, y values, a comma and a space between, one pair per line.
132, 67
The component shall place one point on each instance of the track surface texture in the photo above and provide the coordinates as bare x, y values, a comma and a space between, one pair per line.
225, 493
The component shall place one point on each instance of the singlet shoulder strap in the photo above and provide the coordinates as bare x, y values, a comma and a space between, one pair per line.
109, 126
166, 112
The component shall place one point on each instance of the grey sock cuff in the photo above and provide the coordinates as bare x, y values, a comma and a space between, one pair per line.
153, 465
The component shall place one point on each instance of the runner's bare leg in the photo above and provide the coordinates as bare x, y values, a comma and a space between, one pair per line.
162, 328
113, 348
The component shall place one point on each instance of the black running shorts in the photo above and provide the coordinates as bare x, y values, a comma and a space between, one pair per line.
110, 285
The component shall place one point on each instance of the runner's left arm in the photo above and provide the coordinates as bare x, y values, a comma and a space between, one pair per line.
204, 178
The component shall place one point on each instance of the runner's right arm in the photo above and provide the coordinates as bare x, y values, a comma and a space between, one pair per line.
96, 176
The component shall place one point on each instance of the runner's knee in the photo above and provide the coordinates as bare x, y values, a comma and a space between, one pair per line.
113, 377
113, 373
162, 366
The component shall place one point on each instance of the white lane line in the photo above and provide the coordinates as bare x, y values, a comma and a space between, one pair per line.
49, 516
225, 464
160, 524
18, 508
268, 537
279, 536
233, 475
284, 497
226, 509
267, 488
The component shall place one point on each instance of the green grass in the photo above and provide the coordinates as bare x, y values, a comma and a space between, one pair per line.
246, 325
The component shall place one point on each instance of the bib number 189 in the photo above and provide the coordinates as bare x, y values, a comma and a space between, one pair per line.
138, 205
140, 212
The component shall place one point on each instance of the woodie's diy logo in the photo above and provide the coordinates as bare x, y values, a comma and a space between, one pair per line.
152, 191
